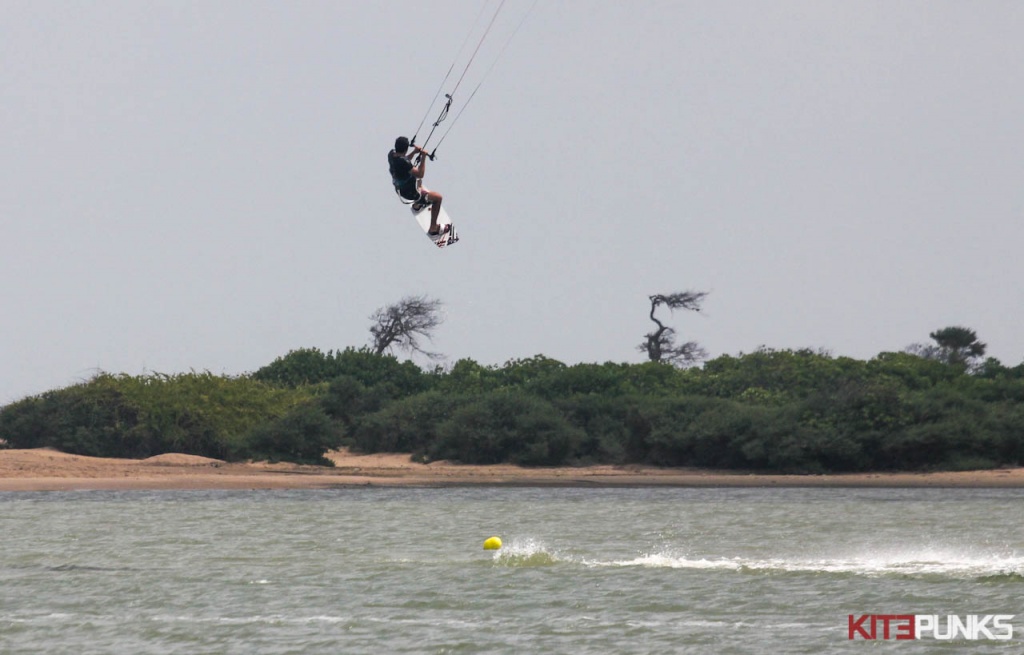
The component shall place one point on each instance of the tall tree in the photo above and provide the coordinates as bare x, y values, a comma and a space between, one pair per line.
958, 345
403, 324
660, 344
953, 345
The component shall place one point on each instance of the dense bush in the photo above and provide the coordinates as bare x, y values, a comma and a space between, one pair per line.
770, 410
404, 426
607, 425
126, 416
91, 419
310, 366
506, 426
302, 435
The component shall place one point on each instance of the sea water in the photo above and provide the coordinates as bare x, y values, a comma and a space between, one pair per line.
402, 570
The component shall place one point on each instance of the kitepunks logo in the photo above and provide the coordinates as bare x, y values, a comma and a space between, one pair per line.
930, 626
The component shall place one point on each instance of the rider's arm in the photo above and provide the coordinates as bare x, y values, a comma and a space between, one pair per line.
420, 169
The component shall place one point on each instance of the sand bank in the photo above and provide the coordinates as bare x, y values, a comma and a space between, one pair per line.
50, 470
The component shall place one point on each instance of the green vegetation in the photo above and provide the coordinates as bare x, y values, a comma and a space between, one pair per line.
770, 410
125, 416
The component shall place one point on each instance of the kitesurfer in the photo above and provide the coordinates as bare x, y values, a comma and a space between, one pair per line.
408, 180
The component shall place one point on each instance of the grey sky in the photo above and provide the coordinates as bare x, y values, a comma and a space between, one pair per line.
203, 185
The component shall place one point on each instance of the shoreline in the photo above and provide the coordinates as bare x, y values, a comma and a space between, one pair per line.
51, 470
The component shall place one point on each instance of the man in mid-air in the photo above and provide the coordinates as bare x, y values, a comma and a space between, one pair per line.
408, 181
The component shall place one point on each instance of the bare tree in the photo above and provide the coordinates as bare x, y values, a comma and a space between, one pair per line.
660, 344
403, 324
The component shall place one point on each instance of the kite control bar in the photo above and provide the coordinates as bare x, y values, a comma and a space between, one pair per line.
430, 155
419, 157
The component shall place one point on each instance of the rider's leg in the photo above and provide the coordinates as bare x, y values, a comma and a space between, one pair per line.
434, 198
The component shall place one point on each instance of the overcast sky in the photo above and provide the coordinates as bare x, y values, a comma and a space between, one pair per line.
203, 185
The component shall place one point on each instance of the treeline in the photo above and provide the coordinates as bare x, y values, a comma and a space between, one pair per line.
195, 413
781, 411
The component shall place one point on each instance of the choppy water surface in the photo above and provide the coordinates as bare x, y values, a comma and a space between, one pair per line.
582, 571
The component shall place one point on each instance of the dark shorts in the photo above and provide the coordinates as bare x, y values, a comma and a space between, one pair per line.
409, 191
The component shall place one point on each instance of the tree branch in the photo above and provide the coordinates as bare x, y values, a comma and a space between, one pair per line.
660, 344
403, 324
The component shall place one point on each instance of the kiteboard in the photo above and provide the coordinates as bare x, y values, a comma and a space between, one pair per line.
444, 238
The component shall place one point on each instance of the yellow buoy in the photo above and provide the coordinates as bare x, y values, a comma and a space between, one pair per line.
494, 543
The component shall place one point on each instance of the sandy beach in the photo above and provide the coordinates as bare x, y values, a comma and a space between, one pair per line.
51, 470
